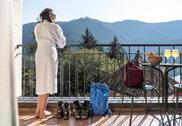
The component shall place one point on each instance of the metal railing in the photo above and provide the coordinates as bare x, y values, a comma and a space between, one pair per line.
79, 67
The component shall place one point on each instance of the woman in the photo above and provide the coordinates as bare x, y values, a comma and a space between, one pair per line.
47, 35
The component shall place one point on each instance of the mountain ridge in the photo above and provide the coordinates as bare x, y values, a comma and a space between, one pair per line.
127, 31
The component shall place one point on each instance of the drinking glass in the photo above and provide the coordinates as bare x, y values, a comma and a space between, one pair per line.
167, 53
175, 54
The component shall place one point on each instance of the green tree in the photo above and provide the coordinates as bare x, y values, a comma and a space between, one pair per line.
28, 75
87, 40
83, 67
113, 48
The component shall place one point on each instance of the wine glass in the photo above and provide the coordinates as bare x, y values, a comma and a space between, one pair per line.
167, 53
175, 53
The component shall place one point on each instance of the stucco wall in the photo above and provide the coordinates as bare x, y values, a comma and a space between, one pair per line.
17, 39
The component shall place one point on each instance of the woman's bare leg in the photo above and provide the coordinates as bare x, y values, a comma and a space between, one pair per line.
41, 106
37, 108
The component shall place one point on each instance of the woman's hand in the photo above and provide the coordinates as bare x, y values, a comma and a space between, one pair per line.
53, 21
52, 17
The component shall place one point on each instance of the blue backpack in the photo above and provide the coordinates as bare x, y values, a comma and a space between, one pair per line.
99, 94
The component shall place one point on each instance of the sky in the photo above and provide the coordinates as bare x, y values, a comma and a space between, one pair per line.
106, 10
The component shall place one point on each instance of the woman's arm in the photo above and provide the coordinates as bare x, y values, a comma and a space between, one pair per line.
35, 32
61, 40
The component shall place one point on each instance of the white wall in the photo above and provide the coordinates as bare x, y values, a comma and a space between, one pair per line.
10, 34
17, 39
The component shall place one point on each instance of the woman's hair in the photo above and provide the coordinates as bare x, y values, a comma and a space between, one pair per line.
44, 15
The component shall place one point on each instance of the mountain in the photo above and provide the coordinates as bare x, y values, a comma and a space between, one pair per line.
127, 31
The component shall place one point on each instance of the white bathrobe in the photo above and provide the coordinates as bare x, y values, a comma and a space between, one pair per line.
47, 35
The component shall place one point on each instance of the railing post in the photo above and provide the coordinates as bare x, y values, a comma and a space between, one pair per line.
61, 73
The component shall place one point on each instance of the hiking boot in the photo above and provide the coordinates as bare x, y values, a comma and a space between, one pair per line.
85, 109
60, 109
76, 109
66, 110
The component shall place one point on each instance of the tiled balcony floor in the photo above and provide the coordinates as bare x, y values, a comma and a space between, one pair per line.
27, 118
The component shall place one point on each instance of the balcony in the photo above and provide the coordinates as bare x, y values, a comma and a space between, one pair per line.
79, 67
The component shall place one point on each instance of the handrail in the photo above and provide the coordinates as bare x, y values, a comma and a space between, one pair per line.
78, 45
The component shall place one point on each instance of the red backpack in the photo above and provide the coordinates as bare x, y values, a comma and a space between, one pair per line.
134, 75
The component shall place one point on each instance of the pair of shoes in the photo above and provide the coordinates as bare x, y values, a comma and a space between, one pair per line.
76, 109
60, 109
81, 111
63, 110
85, 111
66, 110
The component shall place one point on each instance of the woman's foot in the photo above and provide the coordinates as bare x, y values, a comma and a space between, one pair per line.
37, 113
44, 114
